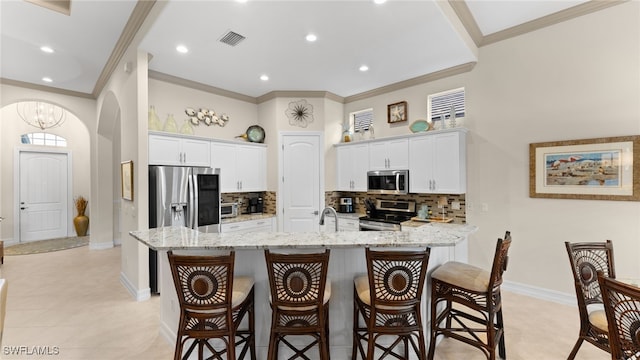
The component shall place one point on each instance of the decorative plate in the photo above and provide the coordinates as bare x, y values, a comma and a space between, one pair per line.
420, 126
255, 133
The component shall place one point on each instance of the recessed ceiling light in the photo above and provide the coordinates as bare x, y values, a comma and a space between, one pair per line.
379, 1
363, 68
182, 49
46, 49
241, 1
47, 79
311, 38
264, 77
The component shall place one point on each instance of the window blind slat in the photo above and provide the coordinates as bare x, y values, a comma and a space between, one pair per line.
441, 104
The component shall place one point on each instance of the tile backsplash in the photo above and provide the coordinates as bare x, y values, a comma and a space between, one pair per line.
459, 216
268, 198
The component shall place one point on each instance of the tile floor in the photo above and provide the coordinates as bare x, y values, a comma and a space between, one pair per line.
72, 302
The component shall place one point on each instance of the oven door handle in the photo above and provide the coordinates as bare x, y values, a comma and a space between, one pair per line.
374, 227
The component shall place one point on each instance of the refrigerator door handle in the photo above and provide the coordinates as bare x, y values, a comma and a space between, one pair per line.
193, 202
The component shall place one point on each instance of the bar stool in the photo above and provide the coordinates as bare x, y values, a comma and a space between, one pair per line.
622, 306
212, 305
299, 301
476, 293
388, 300
586, 259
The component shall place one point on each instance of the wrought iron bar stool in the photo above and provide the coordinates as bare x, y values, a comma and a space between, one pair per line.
622, 306
299, 300
388, 301
586, 259
213, 305
471, 303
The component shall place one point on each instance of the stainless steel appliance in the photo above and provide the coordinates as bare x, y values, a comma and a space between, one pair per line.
388, 182
182, 196
386, 215
346, 205
228, 210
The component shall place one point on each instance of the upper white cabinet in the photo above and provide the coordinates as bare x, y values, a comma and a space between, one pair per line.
438, 163
242, 166
353, 164
178, 151
389, 154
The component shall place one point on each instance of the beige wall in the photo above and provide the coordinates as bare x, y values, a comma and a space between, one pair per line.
578, 79
76, 129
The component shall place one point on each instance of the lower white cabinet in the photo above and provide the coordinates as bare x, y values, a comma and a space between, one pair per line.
249, 226
344, 224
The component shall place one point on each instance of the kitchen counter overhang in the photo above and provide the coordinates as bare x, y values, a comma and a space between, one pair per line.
181, 238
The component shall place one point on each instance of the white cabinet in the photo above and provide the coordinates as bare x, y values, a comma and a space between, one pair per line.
178, 151
352, 166
249, 226
389, 155
438, 163
344, 224
242, 166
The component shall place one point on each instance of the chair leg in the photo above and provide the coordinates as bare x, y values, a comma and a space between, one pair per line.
575, 349
502, 350
252, 330
273, 346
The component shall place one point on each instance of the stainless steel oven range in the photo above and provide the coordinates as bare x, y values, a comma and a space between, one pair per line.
386, 215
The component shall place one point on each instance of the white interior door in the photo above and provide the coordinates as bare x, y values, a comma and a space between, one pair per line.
43, 195
301, 181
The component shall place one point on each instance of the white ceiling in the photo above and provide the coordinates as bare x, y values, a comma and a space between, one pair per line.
397, 40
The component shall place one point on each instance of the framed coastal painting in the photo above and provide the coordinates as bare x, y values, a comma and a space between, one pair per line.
397, 112
126, 174
591, 169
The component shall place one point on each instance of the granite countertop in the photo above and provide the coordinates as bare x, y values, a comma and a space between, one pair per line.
431, 234
246, 217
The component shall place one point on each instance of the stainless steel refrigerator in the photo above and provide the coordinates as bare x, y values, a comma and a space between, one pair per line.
182, 196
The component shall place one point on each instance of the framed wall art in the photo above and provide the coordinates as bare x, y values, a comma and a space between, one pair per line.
126, 175
591, 169
397, 112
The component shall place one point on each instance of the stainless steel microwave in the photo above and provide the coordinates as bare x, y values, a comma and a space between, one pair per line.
388, 182
228, 210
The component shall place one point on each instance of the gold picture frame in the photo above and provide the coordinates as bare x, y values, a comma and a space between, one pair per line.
126, 176
589, 169
397, 112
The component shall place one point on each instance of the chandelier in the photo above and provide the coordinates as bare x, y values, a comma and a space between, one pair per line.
40, 114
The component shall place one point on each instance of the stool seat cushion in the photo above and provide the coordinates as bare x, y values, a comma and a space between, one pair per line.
597, 316
325, 299
362, 289
463, 276
242, 286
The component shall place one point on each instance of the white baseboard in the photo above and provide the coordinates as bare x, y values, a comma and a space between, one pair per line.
9, 242
139, 295
540, 293
100, 245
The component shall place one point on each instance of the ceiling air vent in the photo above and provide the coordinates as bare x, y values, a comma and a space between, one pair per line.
231, 38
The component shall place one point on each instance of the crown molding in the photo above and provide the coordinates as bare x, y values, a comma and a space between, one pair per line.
455, 70
138, 15
61, 6
45, 88
468, 21
300, 94
200, 86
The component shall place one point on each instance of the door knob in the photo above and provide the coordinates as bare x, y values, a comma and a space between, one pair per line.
316, 212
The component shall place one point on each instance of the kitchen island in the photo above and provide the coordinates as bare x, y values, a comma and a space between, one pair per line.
447, 242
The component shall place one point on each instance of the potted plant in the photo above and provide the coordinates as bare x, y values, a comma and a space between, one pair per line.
81, 222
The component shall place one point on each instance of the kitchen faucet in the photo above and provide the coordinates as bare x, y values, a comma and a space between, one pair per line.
333, 212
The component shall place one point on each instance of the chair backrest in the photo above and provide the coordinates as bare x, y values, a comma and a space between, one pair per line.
396, 278
500, 260
622, 306
203, 283
586, 260
297, 280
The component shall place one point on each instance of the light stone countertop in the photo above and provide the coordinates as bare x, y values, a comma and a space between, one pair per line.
183, 238
246, 217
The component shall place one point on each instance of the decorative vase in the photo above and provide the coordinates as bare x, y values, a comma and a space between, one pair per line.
81, 223
170, 125
154, 120
186, 128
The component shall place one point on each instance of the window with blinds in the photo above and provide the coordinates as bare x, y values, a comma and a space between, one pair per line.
440, 104
362, 120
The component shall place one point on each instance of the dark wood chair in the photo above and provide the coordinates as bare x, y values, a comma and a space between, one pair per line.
586, 259
212, 306
299, 301
471, 303
388, 301
622, 306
